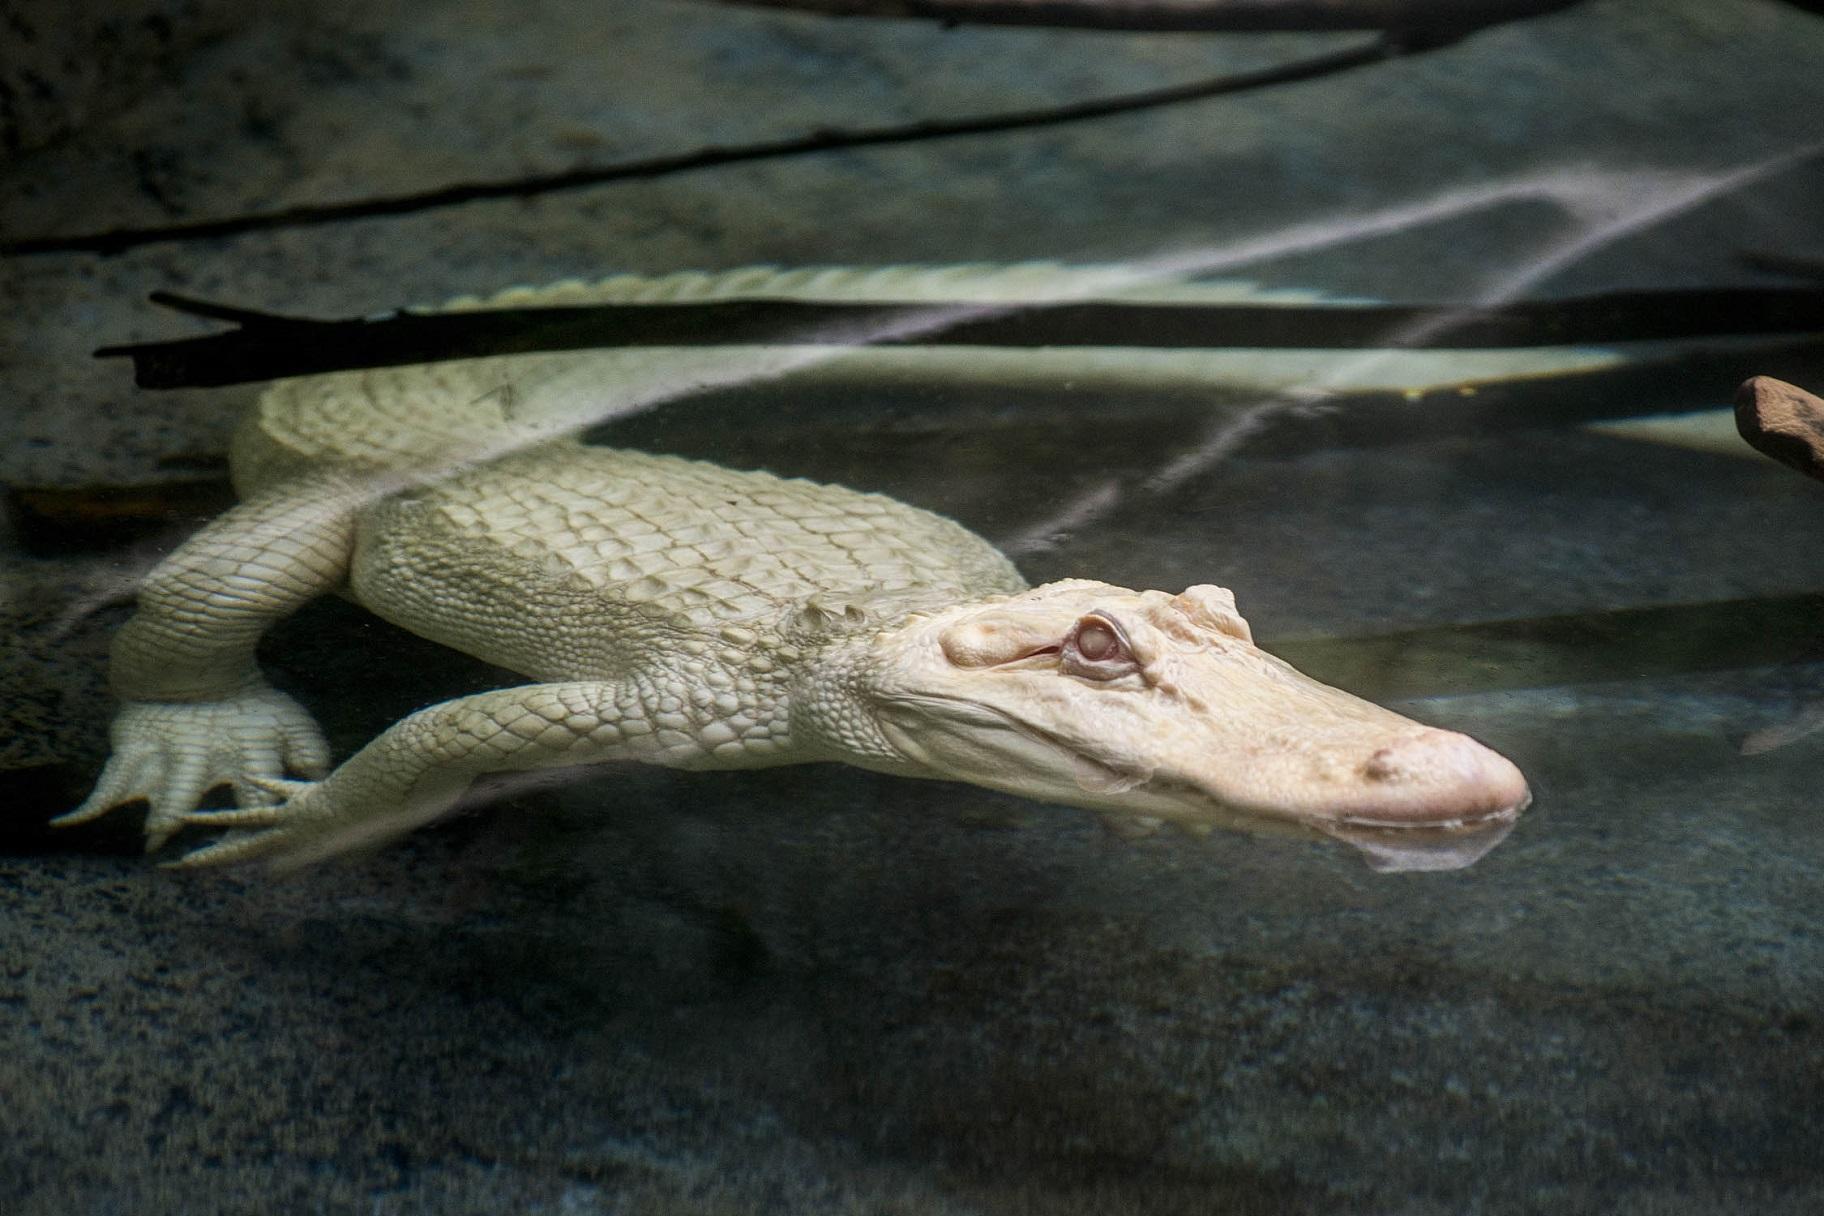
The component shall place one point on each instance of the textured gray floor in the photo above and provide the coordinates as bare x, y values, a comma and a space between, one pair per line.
818, 990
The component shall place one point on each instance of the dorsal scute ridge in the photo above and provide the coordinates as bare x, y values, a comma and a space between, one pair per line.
970, 282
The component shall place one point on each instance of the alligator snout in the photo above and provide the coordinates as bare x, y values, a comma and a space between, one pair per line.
1436, 800
1436, 775
1162, 709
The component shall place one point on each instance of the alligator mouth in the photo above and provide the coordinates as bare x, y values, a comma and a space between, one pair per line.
1441, 844
1387, 845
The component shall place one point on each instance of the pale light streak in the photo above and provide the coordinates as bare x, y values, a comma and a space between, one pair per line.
1603, 206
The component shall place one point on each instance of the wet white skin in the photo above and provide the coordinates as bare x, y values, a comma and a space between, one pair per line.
1160, 707
684, 614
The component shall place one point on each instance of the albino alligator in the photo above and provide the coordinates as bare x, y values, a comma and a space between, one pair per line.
684, 614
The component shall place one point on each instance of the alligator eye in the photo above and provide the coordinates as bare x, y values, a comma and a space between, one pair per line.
1097, 642
1096, 650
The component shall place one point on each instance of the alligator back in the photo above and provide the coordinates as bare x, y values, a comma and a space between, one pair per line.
555, 560
440, 415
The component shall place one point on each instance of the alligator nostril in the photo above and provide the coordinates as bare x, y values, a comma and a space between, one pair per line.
1438, 774
1381, 766
1437, 754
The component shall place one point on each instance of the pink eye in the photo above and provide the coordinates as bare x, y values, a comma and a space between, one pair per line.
1097, 642
1096, 650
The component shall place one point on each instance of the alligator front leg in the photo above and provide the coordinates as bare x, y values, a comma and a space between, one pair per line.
196, 712
418, 768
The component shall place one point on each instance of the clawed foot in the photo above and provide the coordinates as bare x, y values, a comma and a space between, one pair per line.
173, 753
292, 809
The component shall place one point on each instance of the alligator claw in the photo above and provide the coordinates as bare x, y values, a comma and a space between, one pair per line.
170, 754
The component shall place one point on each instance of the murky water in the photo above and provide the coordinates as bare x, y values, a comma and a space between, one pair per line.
818, 989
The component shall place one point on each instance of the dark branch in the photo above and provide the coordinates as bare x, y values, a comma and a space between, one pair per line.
269, 346
1665, 383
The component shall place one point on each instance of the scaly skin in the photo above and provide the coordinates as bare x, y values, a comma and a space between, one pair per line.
684, 614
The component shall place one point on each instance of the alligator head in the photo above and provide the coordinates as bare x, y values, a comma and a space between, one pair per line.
1155, 708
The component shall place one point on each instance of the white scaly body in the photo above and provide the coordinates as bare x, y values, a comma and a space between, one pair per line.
685, 614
